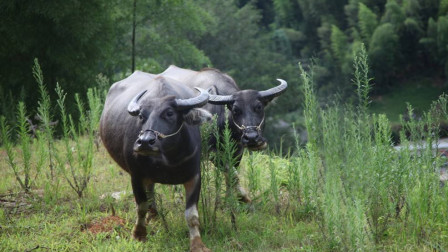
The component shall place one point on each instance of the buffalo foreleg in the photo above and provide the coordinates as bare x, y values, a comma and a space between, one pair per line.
152, 209
139, 233
192, 190
241, 193
231, 175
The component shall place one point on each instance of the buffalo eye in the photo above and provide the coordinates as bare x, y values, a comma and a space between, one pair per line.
140, 116
258, 108
167, 114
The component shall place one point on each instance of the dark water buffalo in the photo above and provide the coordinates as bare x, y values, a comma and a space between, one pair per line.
150, 128
246, 117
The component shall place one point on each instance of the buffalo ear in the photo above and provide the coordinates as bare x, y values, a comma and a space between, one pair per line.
266, 102
197, 116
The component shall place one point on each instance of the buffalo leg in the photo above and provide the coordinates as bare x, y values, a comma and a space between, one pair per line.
192, 190
139, 233
231, 174
241, 193
152, 209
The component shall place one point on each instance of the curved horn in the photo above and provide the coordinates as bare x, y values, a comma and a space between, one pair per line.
134, 107
273, 92
198, 101
221, 99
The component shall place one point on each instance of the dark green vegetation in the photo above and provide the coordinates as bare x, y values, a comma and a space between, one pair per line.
255, 41
348, 189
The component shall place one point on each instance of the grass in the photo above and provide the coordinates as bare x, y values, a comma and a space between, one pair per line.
420, 92
282, 221
62, 225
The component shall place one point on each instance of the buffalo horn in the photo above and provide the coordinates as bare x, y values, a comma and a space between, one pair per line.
273, 92
221, 99
198, 101
134, 107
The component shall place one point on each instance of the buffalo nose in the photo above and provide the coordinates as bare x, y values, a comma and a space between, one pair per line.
250, 137
145, 141
147, 138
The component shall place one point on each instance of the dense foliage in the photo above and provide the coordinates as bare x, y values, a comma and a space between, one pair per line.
72, 39
401, 36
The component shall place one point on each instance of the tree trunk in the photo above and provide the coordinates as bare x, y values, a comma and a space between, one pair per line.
133, 35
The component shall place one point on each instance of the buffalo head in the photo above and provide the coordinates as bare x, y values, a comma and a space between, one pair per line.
247, 112
162, 120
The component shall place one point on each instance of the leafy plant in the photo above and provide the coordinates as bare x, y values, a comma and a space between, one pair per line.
79, 158
25, 145
225, 160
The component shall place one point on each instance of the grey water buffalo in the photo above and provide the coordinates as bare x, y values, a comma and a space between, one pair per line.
246, 118
149, 126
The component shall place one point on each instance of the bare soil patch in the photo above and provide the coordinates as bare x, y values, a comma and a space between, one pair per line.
105, 225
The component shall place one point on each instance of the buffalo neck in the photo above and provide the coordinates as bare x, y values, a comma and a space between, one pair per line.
181, 150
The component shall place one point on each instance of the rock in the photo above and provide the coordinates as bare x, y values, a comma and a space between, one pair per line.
114, 195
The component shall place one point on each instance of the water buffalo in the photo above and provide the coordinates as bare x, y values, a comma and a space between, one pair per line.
246, 118
149, 126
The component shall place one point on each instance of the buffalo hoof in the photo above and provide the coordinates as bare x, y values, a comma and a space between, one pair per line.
244, 199
197, 245
242, 195
139, 233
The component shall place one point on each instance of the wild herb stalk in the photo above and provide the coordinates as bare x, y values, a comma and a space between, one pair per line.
311, 111
45, 117
274, 185
68, 158
225, 159
79, 139
362, 79
209, 176
9, 147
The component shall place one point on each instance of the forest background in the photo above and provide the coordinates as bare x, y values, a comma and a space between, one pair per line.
79, 41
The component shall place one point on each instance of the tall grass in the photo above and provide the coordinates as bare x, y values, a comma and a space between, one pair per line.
358, 185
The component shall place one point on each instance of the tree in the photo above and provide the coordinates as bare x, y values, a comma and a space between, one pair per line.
72, 39
339, 43
436, 42
367, 22
382, 54
167, 33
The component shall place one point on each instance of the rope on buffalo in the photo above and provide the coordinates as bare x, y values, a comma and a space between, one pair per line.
160, 135
242, 127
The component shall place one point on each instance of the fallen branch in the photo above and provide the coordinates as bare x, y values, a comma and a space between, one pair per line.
37, 247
